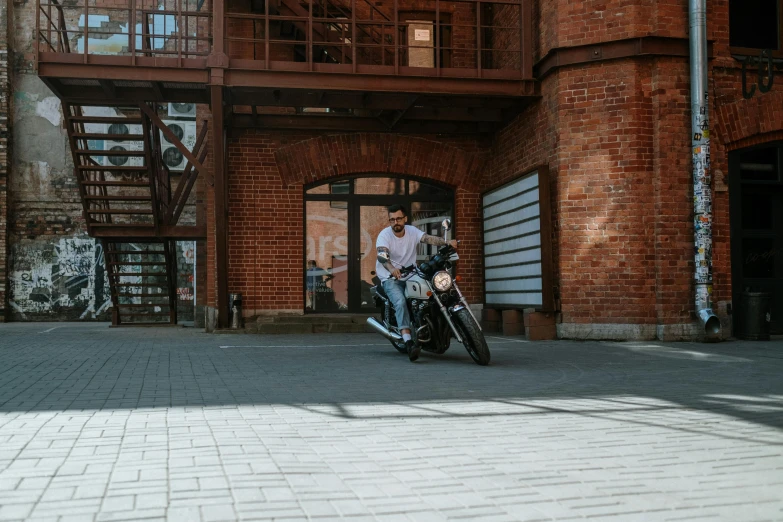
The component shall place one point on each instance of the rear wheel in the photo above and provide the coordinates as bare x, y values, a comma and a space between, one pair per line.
472, 336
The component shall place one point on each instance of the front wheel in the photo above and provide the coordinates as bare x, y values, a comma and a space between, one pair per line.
472, 336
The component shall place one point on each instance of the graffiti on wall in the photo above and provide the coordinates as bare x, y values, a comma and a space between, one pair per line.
186, 259
59, 280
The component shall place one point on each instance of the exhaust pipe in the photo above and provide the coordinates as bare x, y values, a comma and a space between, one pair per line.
378, 327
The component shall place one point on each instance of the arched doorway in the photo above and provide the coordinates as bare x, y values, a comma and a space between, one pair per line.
756, 206
343, 218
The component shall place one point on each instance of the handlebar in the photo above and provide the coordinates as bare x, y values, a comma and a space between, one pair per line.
408, 270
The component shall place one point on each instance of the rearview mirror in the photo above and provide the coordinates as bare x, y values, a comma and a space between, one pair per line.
446, 224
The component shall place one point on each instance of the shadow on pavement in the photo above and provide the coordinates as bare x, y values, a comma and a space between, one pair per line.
88, 366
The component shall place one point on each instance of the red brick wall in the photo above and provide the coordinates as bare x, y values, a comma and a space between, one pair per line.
266, 175
615, 136
603, 186
672, 189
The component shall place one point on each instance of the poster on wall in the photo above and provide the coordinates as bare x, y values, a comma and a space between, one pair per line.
517, 244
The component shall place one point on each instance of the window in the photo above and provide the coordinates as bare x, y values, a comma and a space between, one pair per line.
754, 24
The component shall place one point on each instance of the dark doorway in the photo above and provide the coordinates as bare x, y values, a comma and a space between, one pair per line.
342, 221
756, 204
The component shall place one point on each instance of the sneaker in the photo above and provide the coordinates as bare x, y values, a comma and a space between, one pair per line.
413, 350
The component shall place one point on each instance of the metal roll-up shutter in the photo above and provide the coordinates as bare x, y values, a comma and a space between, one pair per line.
517, 251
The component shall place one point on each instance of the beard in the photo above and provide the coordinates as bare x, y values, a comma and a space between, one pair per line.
398, 228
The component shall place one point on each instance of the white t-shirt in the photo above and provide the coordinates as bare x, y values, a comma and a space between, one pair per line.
402, 250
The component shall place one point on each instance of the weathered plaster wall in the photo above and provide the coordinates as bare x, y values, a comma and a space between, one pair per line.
54, 270
5, 139
52, 262
58, 280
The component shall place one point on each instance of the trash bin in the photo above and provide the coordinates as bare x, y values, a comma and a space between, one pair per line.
756, 315
236, 310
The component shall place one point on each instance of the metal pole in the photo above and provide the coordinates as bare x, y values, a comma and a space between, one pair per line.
700, 150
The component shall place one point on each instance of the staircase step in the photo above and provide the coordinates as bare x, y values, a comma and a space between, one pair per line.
93, 152
145, 324
135, 252
130, 294
121, 211
346, 318
121, 198
111, 137
146, 285
113, 168
150, 314
298, 328
105, 119
131, 263
145, 274
144, 305
117, 183
123, 225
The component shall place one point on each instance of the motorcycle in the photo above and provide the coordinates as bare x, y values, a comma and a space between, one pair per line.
438, 310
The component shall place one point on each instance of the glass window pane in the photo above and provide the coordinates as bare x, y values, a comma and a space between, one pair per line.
759, 165
423, 189
427, 216
326, 275
758, 257
320, 189
335, 187
757, 210
372, 220
380, 186
753, 24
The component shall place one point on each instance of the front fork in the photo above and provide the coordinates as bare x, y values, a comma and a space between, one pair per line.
445, 313
465, 304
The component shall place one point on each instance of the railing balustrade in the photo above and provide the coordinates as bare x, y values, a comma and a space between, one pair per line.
154, 28
459, 38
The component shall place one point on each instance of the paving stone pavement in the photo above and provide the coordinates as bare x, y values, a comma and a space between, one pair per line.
102, 424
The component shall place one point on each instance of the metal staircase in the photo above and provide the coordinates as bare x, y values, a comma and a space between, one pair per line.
129, 204
142, 278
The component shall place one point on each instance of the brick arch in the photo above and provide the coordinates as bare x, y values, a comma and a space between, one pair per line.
348, 154
741, 121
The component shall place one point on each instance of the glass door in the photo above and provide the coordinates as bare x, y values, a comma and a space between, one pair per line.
756, 196
342, 221
372, 219
326, 257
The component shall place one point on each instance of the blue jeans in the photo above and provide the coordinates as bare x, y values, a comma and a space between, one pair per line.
395, 290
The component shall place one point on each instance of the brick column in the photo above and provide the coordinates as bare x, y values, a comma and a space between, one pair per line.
5, 150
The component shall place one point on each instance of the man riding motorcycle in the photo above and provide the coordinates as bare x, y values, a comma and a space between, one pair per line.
398, 242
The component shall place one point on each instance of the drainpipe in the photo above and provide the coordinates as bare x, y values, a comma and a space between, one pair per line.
700, 148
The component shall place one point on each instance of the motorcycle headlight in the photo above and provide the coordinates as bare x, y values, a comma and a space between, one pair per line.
441, 281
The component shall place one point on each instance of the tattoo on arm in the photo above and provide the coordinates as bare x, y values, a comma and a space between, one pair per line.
387, 265
433, 240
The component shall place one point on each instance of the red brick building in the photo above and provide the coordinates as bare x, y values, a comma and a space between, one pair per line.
333, 109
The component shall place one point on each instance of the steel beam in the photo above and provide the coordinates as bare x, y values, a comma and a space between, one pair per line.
379, 85
221, 205
155, 119
324, 122
166, 232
